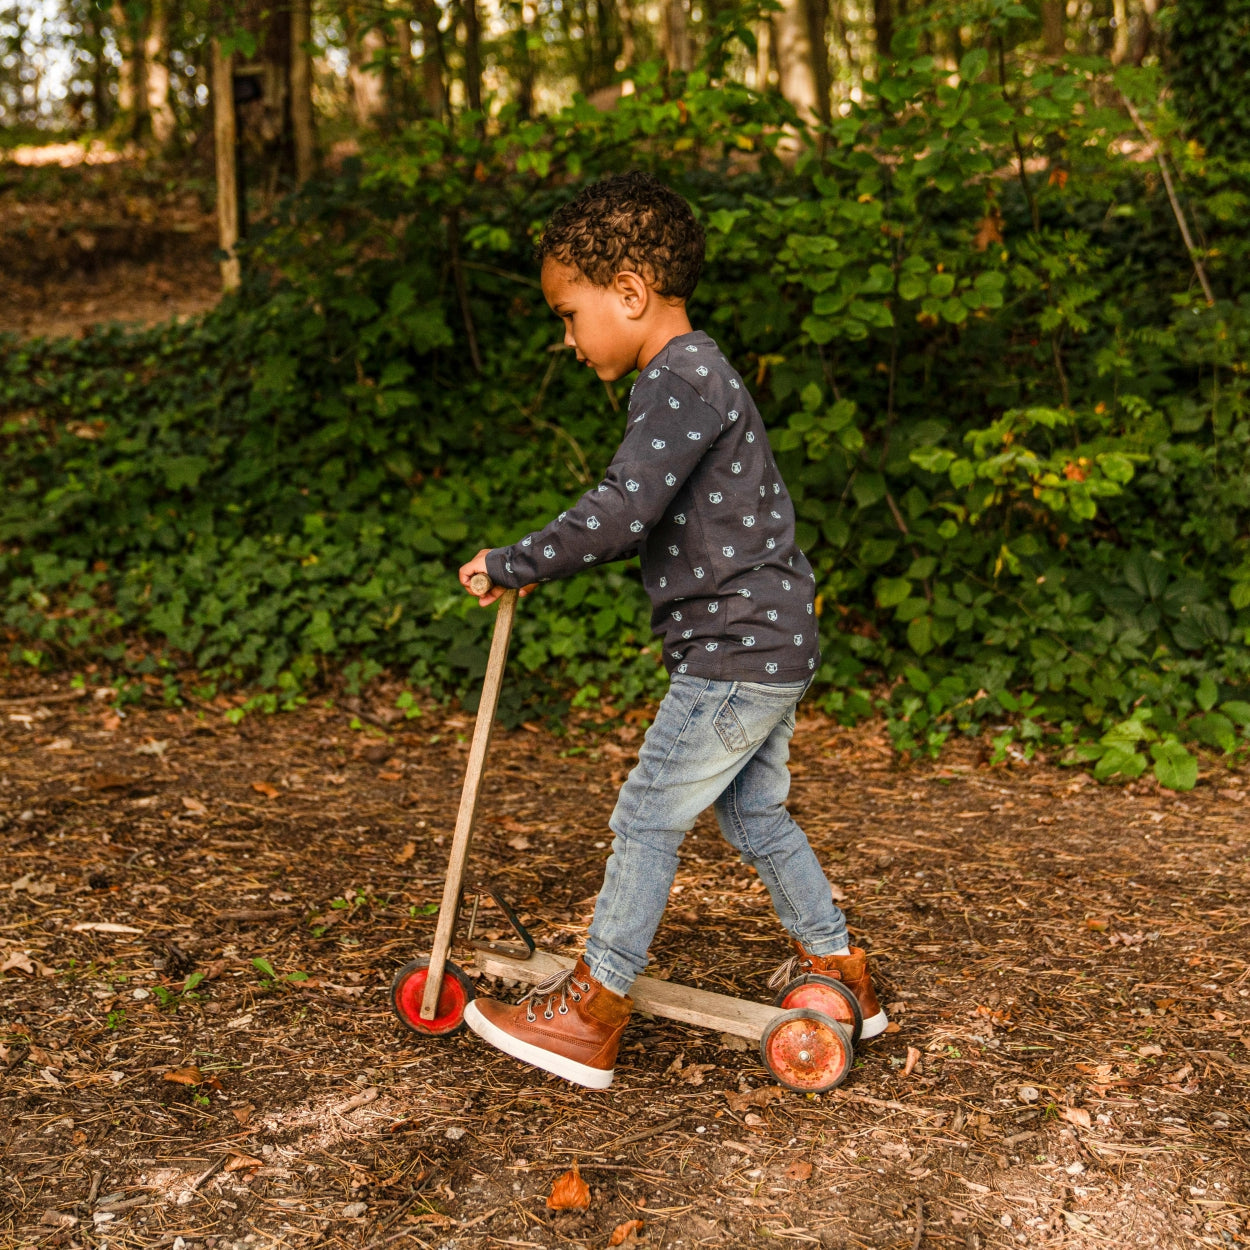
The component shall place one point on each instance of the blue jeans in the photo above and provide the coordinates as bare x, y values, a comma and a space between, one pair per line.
719, 744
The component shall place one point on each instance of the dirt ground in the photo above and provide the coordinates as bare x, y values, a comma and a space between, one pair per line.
91, 236
1066, 964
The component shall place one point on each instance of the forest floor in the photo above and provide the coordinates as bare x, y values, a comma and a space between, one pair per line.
1066, 964
91, 236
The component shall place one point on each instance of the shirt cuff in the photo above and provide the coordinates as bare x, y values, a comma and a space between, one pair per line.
495, 561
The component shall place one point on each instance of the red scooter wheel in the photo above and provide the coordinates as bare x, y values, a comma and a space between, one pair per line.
807, 1051
408, 988
827, 994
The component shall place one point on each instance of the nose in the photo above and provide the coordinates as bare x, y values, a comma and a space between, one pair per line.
569, 340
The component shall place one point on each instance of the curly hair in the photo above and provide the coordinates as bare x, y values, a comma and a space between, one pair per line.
628, 222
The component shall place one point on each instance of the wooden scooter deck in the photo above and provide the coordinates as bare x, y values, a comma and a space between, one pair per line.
738, 1016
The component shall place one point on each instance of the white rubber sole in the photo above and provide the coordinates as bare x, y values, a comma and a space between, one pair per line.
536, 1056
873, 1026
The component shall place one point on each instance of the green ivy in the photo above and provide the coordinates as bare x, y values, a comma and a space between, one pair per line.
1016, 439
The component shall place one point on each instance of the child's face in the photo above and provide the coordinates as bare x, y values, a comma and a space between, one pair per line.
600, 322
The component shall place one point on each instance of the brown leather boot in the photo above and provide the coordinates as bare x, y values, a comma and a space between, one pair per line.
569, 1025
851, 970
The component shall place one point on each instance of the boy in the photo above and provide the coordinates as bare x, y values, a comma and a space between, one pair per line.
694, 491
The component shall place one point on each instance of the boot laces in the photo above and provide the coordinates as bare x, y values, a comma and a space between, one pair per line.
785, 972
564, 984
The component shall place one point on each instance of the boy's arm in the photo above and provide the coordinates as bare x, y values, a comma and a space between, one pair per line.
670, 430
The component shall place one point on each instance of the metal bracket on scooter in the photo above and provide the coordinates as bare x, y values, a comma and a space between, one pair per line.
510, 949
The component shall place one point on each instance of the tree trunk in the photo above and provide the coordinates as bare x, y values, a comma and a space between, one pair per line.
302, 133
818, 34
1053, 17
155, 59
883, 28
629, 36
401, 87
472, 56
432, 90
1144, 34
796, 73
131, 74
1120, 40
101, 103
675, 34
367, 88
525, 72
763, 53
223, 149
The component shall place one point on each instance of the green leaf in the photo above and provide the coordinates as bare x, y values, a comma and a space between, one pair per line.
892, 591
868, 489
263, 965
973, 64
1237, 711
920, 635
1207, 693
912, 286
1120, 761
1214, 730
184, 471
1174, 767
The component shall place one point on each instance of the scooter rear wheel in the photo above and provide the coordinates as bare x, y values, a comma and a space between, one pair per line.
408, 988
827, 994
807, 1051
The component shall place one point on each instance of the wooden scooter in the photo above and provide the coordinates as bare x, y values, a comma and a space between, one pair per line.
806, 1036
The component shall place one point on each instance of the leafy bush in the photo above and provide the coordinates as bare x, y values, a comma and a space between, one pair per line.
1208, 60
1016, 439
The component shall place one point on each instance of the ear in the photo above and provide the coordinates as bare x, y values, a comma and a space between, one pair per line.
633, 293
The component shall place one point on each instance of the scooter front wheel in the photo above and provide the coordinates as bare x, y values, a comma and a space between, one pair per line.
408, 988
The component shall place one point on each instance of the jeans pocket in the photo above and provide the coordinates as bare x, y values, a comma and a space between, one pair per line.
730, 729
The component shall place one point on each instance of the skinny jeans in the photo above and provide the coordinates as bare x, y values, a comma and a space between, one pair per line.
724, 745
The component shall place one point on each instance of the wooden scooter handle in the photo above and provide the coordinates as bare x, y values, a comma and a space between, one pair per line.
463, 837
480, 584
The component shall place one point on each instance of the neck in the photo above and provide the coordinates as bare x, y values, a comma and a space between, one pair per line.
669, 322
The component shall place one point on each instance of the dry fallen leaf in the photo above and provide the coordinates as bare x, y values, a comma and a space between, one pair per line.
755, 1097
242, 1114
693, 1073
406, 853
570, 1192
799, 1170
111, 781
913, 1058
751, 1120
1077, 1115
989, 230
194, 806
626, 1232
17, 961
263, 787
184, 1076
519, 843
240, 1163
390, 776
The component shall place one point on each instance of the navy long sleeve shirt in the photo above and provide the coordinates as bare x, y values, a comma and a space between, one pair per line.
693, 489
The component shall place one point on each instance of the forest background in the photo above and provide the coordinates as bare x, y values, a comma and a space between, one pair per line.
983, 264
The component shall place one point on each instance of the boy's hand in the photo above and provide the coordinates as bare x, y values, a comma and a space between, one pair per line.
478, 565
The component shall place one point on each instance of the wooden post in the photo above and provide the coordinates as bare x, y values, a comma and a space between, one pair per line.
224, 150
467, 815
301, 90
